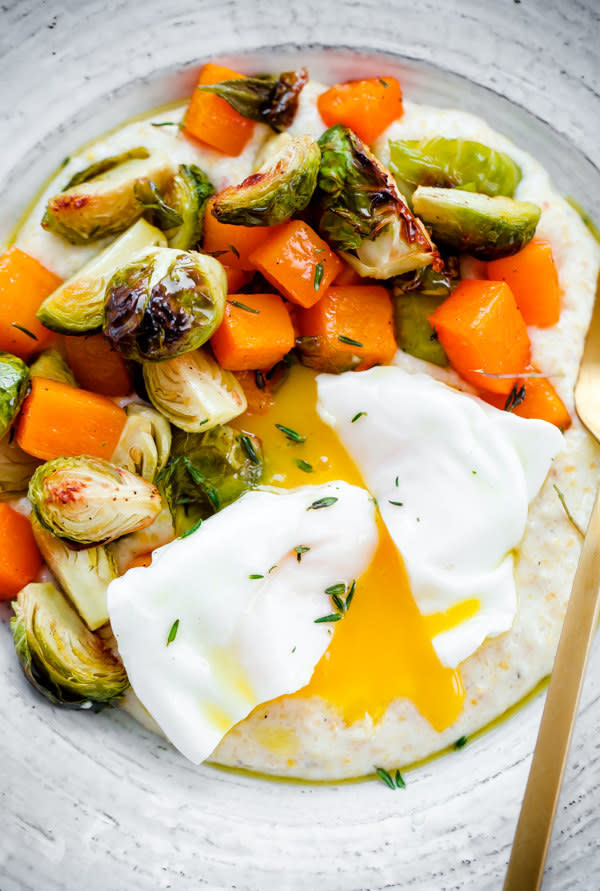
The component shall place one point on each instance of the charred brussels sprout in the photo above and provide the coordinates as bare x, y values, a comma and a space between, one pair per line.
266, 98
90, 501
77, 306
486, 228
164, 303
193, 392
84, 575
101, 200
187, 193
16, 469
14, 381
145, 442
282, 187
51, 365
361, 214
61, 658
452, 163
207, 471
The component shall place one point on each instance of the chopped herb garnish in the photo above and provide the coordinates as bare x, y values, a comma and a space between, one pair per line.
343, 339
332, 617
234, 250
301, 549
294, 650
322, 502
350, 594
399, 780
192, 529
24, 330
244, 307
255, 575
515, 397
570, 516
460, 742
304, 465
248, 446
383, 83
338, 588
291, 434
318, 275
164, 124
396, 783
274, 566
396, 503
259, 380
396, 483
358, 415
173, 632
338, 603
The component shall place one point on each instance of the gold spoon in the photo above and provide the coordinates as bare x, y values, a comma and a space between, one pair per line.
532, 836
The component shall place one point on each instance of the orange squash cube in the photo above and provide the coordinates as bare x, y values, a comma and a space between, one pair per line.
212, 120
256, 332
366, 106
532, 277
24, 285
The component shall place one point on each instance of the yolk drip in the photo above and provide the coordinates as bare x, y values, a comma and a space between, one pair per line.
381, 650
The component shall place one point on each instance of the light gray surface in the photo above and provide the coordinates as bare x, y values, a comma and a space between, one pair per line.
96, 802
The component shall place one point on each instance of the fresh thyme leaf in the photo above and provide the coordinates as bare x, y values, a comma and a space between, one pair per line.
234, 250
24, 330
350, 594
396, 482
515, 397
399, 780
164, 124
570, 516
291, 434
338, 603
304, 465
274, 566
173, 632
244, 307
357, 416
192, 529
383, 83
322, 502
396, 503
248, 446
318, 275
385, 776
255, 575
301, 549
343, 339
333, 617
338, 588
460, 742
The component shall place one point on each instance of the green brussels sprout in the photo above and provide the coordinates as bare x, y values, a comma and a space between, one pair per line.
51, 366
101, 201
77, 306
90, 501
413, 332
60, 657
360, 212
16, 469
280, 188
164, 303
266, 98
145, 442
452, 163
84, 575
193, 392
486, 228
207, 471
14, 383
314, 354
187, 193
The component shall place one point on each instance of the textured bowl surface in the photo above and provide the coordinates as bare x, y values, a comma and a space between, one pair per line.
96, 801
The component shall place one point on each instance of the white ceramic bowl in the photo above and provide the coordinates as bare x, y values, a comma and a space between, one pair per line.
97, 802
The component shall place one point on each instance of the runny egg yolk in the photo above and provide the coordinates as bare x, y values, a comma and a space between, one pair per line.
382, 648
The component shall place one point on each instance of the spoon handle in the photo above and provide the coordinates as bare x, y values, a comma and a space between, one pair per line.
532, 836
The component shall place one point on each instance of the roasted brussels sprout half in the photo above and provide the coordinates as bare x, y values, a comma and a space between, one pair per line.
360, 212
452, 163
125, 550
266, 98
101, 200
164, 303
84, 575
280, 188
207, 471
193, 392
486, 228
187, 193
16, 469
413, 332
77, 306
145, 442
14, 382
51, 365
90, 501
63, 660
